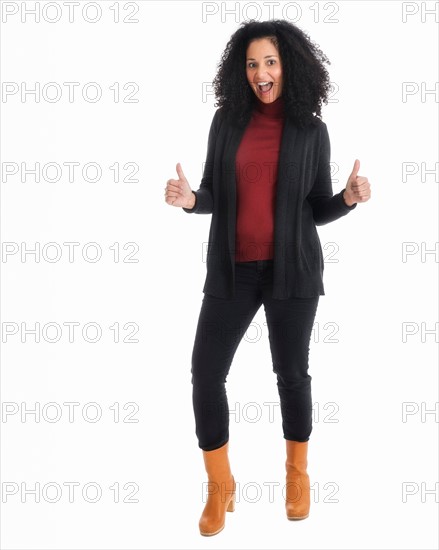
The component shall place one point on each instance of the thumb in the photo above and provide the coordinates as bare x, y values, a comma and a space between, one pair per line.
180, 172
355, 169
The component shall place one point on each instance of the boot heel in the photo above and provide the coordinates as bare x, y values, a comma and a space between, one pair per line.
231, 506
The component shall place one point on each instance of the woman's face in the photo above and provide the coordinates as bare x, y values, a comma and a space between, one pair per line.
263, 64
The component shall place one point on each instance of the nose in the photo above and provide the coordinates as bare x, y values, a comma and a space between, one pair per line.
260, 74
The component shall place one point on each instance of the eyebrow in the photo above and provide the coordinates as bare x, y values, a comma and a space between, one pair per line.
253, 59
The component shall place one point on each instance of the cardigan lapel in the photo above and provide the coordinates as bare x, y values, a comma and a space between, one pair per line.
287, 177
233, 141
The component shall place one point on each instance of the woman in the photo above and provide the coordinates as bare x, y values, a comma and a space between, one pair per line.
267, 184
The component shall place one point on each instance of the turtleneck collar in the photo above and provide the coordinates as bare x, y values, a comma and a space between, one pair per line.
275, 109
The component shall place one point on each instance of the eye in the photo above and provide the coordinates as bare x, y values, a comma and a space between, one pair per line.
270, 62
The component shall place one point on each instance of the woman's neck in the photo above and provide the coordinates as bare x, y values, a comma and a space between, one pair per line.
275, 109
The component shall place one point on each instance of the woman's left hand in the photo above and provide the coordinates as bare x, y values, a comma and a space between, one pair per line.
357, 187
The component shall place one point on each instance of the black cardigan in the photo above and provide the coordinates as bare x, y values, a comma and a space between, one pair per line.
304, 199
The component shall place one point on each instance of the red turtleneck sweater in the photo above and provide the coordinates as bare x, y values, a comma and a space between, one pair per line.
256, 177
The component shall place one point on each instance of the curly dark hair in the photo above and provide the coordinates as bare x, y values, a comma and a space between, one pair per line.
306, 81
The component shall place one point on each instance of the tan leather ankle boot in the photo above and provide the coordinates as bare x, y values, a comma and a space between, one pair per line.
297, 499
221, 491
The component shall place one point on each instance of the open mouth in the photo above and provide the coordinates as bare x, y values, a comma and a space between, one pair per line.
265, 87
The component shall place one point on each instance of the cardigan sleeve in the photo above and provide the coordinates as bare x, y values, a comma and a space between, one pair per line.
326, 207
204, 195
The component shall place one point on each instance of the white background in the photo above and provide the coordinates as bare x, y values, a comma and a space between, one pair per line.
363, 452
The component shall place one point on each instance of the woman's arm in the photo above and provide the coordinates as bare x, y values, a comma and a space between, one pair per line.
326, 206
204, 196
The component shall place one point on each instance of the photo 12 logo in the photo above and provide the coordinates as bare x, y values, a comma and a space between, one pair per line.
69, 12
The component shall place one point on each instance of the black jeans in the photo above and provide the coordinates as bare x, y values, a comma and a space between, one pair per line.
221, 325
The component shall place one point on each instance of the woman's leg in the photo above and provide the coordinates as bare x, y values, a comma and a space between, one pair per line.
290, 325
221, 325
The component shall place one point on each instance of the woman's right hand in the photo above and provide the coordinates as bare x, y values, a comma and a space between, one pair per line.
178, 192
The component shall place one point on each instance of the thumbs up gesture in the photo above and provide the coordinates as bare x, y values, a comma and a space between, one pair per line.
178, 192
357, 187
